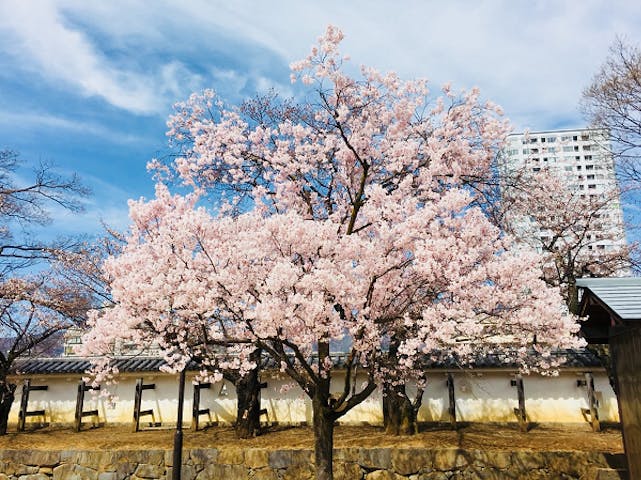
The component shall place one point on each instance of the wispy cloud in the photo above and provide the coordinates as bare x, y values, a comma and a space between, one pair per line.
534, 58
46, 44
35, 121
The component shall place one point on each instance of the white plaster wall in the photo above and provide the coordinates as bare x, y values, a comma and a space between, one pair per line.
487, 396
481, 396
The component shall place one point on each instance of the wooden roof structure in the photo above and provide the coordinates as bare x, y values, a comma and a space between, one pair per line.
608, 303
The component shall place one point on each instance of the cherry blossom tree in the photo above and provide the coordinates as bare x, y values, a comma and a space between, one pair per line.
578, 233
346, 216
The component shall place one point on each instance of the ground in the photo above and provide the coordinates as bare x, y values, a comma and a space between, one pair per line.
477, 436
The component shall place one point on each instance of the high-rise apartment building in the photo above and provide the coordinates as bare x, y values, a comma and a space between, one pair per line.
582, 159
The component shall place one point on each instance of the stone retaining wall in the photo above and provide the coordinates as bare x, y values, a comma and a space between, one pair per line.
350, 464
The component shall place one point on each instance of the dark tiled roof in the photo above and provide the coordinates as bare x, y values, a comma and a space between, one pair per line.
78, 365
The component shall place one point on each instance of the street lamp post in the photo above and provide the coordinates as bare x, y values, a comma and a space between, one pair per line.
178, 435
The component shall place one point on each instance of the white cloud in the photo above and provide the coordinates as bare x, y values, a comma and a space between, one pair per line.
36, 121
46, 44
534, 58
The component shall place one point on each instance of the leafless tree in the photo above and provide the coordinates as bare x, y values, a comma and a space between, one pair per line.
37, 302
613, 101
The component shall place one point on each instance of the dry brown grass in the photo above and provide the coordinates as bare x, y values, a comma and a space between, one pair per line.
476, 436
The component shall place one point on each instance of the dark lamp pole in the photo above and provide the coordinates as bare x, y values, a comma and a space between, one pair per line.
178, 436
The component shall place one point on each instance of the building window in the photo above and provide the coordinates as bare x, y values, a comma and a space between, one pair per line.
592, 186
551, 139
589, 167
590, 177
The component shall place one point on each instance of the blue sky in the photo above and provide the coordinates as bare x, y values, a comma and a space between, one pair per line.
89, 85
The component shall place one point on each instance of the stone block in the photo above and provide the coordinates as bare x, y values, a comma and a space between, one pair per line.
573, 464
267, 474
488, 473
41, 458
410, 461
202, 456
304, 457
146, 470
214, 471
85, 473
384, 475
8, 468
89, 458
109, 476
231, 456
300, 471
151, 457
449, 459
347, 454
527, 461
65, 472
34, 476
20, 469
280, 458
256, 458
375, 458
499, 459
433, 476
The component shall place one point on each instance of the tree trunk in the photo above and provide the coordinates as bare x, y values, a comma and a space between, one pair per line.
399, 414
7, 391
573, 297
248, 401
323, 438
